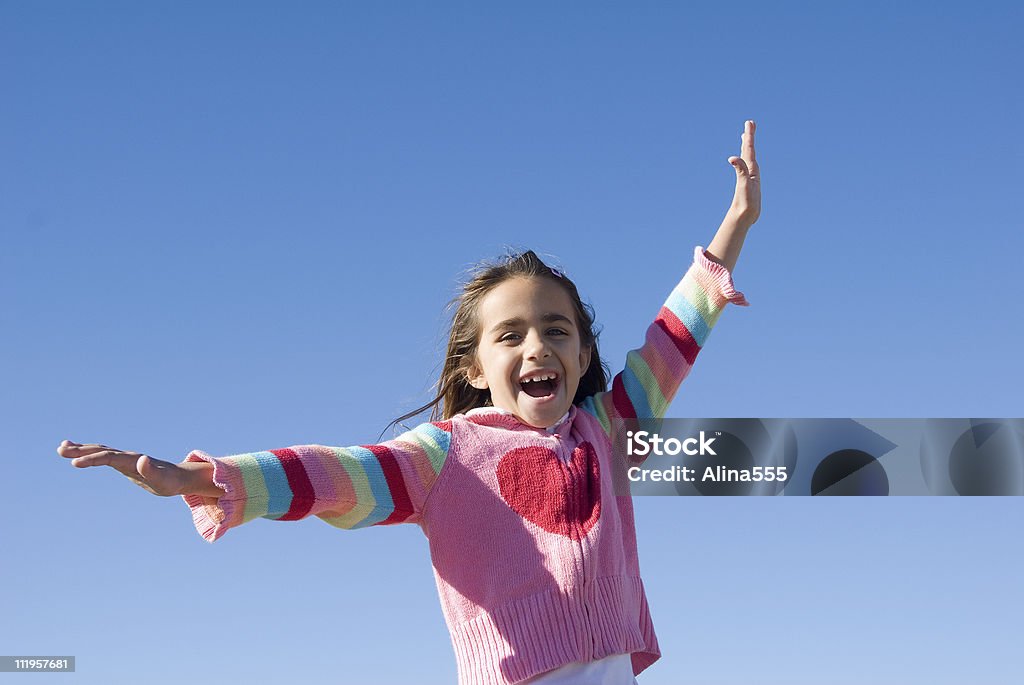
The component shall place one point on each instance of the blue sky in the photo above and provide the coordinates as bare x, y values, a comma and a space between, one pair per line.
235, 227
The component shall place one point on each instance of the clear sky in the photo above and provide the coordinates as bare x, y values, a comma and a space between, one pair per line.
234, 227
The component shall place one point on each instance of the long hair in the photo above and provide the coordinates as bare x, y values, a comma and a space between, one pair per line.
454, 395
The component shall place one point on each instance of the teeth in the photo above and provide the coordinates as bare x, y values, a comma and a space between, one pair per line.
542, 377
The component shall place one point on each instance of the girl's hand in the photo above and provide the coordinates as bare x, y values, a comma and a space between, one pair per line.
159, 477
746, 202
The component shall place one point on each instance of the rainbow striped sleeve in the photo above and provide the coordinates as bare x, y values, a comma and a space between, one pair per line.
654, 372
348, 487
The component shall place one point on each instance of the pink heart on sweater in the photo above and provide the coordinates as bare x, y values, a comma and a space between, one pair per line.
562, 498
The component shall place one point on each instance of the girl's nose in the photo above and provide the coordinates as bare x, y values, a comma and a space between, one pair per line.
536, 348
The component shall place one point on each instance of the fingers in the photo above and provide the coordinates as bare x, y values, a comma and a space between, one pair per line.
83, 456
122, 461
71, 450
68, 445
747, 141
740, 166
746, 201
747, 148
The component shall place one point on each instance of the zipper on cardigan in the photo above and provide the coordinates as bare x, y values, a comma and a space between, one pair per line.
575, 517
584, 586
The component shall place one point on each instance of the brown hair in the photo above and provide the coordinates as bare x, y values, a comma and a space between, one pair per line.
454, 393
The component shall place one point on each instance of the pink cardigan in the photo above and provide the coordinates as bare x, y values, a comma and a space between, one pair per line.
534, 554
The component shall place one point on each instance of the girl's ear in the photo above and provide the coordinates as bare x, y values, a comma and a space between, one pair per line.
584, 359
476, 377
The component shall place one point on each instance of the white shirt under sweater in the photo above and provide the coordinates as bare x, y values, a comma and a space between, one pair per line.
616, 669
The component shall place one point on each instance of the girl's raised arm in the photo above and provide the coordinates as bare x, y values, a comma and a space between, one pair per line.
654, 372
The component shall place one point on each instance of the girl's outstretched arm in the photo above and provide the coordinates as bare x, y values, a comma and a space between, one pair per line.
158, 477
746, 204
347, 487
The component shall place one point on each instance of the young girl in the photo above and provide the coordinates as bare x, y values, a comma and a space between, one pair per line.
534, 555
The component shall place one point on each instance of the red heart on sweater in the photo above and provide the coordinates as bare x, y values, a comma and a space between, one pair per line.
562, 498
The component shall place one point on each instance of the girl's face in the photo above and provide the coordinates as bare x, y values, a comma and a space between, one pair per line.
529, 355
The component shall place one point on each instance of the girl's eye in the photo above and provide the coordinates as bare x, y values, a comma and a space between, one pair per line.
515, 337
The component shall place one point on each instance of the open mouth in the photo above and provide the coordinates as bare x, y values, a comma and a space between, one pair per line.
540, 385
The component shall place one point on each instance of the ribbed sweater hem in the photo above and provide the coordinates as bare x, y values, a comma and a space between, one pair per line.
545, 631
